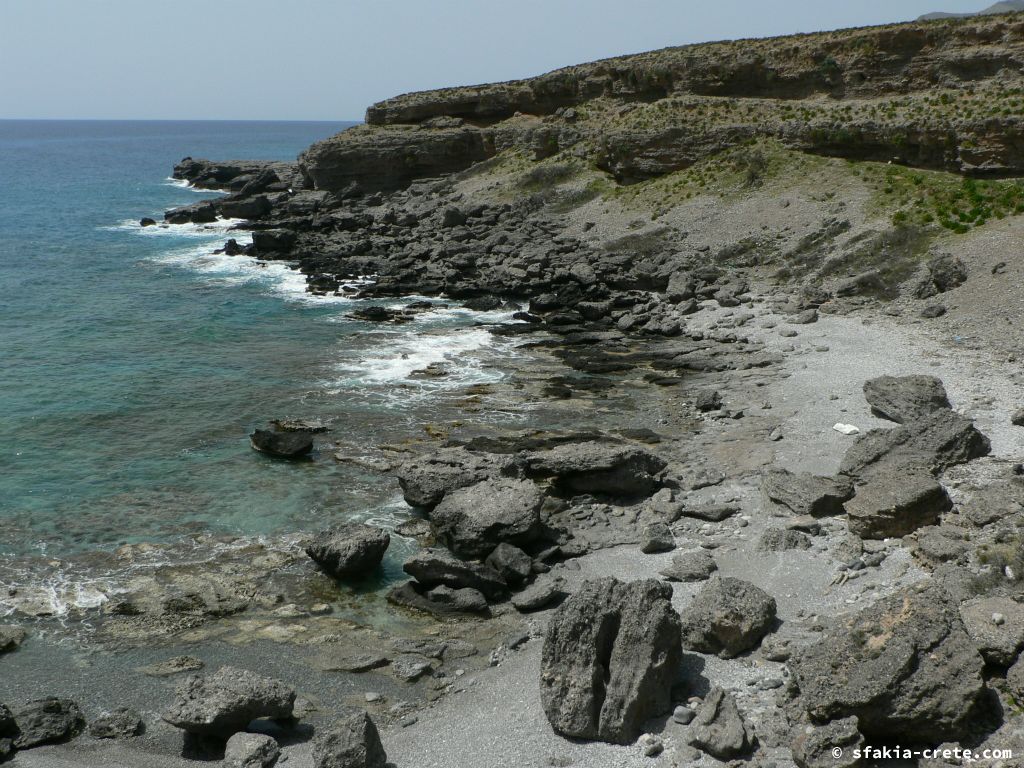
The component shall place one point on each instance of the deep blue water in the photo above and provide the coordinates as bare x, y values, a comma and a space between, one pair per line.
134, 363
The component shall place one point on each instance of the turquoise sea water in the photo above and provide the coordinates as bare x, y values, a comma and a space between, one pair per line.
134, 362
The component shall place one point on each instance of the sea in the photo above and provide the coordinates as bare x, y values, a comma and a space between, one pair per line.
135, 362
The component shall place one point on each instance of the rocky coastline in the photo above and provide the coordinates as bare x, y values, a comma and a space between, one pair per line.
766, 497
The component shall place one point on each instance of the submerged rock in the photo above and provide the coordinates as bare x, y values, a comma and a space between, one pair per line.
11, 638
611, 654
286, 445
227, 701
349, 550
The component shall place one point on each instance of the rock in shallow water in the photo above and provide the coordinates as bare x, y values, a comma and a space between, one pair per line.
611, 654
227, 701
285, 445
349, 550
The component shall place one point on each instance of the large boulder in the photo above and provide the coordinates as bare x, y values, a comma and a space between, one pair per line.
349, 550
426, 479
284, 445
227, 701
351, 741
435, 567
904, 667
934, 441
728, 616
472, 521
511, 563
806, 494
719, 729
610, 657
895, 505
904, 398
996, 627
595, 467
47, 721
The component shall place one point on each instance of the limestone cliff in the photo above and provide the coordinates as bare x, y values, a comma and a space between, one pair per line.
943, 94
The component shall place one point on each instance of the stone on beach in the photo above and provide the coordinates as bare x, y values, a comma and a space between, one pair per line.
47, 721
226, 701
888, 506
611, 654
806, 494
904, 398
351, 741
727, 617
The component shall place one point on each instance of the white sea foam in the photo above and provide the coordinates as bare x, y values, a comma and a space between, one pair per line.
170, 181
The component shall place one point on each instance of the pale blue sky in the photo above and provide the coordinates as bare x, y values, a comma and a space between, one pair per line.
329, 59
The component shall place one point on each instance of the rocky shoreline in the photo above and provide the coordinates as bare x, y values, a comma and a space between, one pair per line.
765, 501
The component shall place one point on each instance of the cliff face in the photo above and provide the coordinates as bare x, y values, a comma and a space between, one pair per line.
939, 94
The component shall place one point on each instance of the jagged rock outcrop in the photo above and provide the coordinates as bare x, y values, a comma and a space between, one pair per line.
905, 668
611, 654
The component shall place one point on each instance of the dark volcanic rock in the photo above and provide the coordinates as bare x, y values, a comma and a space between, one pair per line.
719, 729
511, 563
935, 441
905, 668
657, 537
203, 212
615, 470
611, 654
244, 207
475, 519
47, 721
896, 505
351, 741
286, 445
227, 701
465, 600
541, 594
904, 398
728, 616
806, 494
349, 550
435, 567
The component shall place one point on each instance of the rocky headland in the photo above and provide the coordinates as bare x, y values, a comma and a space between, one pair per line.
765, 500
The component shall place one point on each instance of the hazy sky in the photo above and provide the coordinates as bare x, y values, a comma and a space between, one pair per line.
329, 59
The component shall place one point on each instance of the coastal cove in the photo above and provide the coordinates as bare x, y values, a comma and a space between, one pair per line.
136, 361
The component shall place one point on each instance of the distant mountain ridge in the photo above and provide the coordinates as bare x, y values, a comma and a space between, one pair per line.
1007, 6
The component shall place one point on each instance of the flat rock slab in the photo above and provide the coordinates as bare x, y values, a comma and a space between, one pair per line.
806, 494
903, 398
996, 626
896, 505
